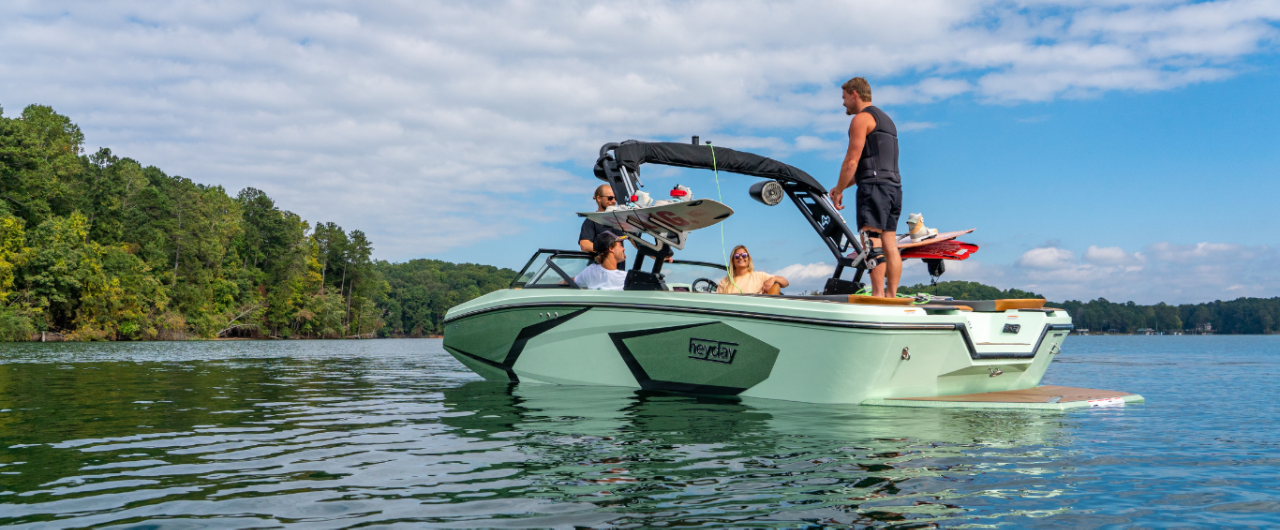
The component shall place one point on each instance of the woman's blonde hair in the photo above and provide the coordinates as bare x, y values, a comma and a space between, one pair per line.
751, 264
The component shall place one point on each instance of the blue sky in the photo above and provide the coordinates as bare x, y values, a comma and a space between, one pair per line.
1116, 149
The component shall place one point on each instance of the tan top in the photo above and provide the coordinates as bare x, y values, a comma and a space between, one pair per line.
749, 283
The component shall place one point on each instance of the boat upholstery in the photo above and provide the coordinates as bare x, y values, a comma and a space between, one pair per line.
876, 300
1019, 303
999, 306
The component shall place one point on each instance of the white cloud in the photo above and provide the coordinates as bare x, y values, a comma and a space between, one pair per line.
1112, 256
405, 118
908, 126
1161, 272
813, 143
923, 91
806, 272
809, 277
1048, 258
1203, 252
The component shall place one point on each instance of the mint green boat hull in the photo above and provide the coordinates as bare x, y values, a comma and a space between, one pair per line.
750, 346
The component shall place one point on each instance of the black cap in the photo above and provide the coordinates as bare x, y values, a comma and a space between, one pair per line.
604, 240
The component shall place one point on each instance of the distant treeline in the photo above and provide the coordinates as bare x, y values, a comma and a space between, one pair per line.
99, 247
420, 291
1239, 316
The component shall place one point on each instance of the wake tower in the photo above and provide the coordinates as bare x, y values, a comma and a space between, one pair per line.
619, 165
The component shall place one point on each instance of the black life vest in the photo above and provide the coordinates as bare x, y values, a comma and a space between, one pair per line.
879, 161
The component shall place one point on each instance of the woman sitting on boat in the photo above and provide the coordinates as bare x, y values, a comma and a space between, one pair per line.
746, 279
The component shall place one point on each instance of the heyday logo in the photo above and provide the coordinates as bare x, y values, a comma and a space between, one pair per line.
712, 350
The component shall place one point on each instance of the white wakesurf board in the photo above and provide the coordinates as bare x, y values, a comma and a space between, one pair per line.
669, 223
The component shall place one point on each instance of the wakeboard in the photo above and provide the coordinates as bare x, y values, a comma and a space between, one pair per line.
674, 217
942, 236
945, 249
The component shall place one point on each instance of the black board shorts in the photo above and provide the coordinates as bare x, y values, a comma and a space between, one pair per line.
879, 206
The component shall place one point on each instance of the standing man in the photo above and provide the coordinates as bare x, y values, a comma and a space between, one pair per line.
590, 229
872, 163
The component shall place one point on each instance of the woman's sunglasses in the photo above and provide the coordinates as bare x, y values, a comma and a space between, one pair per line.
741, 255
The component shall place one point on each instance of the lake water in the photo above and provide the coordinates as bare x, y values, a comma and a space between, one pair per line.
329, 434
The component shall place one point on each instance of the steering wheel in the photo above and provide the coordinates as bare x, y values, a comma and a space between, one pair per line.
709, 288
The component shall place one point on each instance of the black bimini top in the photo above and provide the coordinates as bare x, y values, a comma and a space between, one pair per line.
631, 154
619, 165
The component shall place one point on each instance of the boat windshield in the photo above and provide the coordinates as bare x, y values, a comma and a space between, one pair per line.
692, 276
552, 268
556, 268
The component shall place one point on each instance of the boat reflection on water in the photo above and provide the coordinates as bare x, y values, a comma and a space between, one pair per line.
662, 458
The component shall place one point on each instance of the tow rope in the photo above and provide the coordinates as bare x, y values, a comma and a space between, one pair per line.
724, 254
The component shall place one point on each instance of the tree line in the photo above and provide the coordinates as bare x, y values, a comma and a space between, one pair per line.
1239, 316
100, 247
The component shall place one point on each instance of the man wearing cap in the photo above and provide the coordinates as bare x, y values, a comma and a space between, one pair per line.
605, 274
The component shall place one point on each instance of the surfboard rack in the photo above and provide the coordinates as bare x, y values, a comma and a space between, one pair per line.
668, 224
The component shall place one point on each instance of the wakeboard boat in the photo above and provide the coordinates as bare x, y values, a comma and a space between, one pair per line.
668, 330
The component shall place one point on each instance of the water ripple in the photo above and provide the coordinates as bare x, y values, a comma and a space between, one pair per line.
341, 434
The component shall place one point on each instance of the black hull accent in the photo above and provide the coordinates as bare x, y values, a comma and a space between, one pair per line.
647, 383
517, 346
499, 366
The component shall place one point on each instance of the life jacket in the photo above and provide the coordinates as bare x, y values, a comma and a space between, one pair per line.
879, 161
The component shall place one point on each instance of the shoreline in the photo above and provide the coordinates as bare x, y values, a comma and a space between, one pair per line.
53, 338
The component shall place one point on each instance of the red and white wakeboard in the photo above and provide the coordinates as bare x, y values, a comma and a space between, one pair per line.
941, 246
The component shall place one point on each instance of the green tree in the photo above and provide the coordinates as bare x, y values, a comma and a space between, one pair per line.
15, 323
39, 155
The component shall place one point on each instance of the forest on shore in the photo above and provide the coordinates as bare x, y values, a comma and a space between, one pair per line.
99, 247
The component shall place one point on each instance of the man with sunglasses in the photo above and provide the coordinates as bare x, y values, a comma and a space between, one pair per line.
590, 229
606, 274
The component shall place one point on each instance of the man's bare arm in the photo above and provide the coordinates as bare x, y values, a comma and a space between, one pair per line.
585, 245
859, 126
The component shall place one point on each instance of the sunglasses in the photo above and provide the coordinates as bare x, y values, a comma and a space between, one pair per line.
608, 197
741, 255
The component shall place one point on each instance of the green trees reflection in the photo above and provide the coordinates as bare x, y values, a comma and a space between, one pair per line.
96, 246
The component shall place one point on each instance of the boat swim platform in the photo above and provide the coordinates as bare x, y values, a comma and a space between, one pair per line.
1046, 397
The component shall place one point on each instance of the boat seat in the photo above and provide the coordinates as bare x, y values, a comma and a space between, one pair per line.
876, 300
1019, 303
